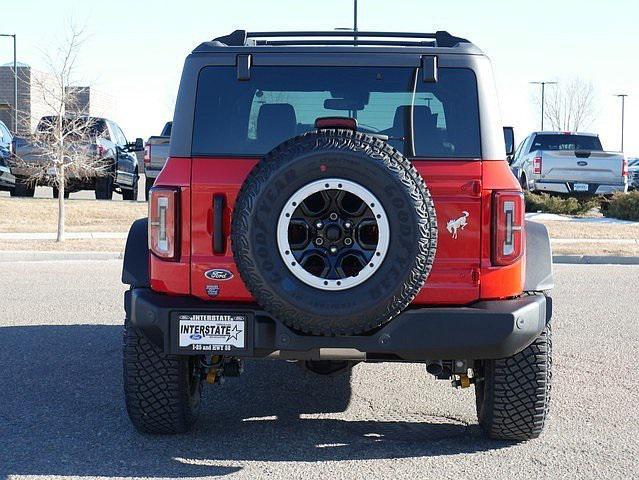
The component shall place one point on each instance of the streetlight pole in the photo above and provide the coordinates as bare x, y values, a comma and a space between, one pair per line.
15, 83
543, 98
623, 107
355, 20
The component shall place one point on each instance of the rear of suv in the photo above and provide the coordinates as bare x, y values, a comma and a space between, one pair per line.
332, 200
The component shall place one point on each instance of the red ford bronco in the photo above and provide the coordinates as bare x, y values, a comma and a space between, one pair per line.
334, 199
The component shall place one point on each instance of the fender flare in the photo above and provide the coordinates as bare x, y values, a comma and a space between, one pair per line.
539, 273
135, 268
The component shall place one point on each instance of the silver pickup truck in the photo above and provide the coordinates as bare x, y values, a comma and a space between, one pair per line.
569, 162
156, 151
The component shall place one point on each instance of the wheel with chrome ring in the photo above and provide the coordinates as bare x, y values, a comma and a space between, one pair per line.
334, 232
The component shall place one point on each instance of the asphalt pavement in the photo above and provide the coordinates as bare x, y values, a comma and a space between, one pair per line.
62, 412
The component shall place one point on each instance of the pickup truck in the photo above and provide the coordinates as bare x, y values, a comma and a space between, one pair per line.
156, 152
103, 139
569, 163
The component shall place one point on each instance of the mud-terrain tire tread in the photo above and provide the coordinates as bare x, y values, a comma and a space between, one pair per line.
514, 396
156, 388
379, 151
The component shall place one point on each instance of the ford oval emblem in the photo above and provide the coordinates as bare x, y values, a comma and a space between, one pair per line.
582, 163
219, 274
196, 336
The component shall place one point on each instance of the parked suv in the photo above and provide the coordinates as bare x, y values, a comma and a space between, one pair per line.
332, 200
101, 138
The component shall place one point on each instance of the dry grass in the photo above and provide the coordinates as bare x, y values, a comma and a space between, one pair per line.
40, 215
572, 229
98, 245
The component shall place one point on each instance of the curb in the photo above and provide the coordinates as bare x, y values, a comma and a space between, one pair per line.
51, 256
594, 260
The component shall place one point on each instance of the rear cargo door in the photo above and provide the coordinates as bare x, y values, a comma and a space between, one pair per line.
456, 190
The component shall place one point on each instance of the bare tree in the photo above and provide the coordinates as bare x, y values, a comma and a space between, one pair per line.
65, 144
569, 105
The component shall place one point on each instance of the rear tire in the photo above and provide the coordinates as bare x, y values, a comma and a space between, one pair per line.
162, 392
148, 184
56, 192
23, 189
513, 394
104, 187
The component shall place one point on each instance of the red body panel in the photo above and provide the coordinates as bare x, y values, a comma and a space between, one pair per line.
462, 272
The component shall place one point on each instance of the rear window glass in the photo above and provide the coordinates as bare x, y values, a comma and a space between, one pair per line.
566, 142
251, 117
73, 127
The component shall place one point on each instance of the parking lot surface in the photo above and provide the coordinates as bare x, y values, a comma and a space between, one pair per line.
62, 411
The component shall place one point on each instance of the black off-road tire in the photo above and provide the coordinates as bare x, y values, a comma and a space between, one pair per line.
513, 395
356, 157
148, 184
162, 392
133, 193
23, 189
104, 187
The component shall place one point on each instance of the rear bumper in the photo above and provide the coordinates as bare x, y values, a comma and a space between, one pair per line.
485, 330
568, 187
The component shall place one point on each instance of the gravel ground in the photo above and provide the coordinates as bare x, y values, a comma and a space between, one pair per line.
62, 412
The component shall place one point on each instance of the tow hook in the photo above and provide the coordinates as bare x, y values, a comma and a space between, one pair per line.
220, 367
462, 381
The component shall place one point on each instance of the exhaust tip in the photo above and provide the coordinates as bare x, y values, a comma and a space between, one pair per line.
435, 368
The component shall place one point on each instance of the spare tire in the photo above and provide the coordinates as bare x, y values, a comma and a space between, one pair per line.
334, 232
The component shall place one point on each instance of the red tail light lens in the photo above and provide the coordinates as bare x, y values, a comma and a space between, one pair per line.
537, 165
101, 150
147, 154
164, 222
508, 220
624, 167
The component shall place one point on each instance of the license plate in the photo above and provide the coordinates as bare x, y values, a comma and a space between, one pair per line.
580, 187
211, 332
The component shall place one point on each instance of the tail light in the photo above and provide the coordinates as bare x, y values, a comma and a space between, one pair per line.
537, 165
508, 220
101, 150
624, 168
147, 154
164, 222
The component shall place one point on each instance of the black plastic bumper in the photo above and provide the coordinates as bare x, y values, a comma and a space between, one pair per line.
485, 330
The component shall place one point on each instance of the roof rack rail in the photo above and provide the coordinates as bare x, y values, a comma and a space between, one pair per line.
340, 37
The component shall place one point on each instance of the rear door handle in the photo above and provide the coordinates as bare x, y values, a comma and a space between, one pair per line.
218, 224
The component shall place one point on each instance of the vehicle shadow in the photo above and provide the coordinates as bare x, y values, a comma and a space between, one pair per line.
62, 413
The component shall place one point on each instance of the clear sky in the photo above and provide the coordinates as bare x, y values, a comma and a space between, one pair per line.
135, 49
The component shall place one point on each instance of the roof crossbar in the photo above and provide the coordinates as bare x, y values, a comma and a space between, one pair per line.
341, 37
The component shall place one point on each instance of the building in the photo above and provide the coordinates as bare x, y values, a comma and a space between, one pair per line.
37, 95
89, 101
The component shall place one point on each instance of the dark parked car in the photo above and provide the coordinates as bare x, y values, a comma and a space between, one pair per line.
633, 174
101, 139
7, 180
